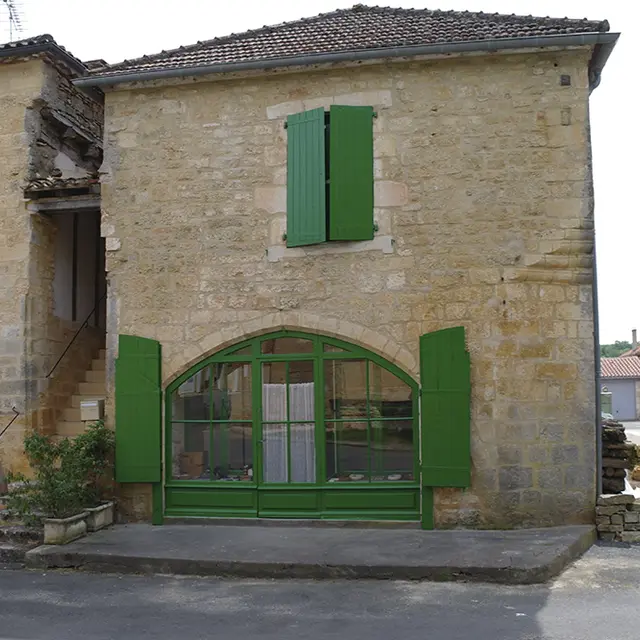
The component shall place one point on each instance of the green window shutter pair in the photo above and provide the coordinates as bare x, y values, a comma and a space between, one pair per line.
138, 410
348, 169
445, 375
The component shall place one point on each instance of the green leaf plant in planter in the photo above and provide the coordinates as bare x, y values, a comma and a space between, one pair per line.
68, 478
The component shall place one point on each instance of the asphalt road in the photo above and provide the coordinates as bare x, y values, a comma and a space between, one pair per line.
596, 599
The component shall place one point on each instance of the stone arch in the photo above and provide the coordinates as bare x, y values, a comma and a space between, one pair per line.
375, 341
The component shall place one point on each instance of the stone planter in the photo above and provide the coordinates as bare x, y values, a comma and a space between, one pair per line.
61, 531
100, 517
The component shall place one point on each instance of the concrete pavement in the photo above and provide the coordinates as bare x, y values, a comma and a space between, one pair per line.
511, 557
595, 599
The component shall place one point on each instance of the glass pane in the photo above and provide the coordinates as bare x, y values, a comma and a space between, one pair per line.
274, 391
389, 397
333, 349
287, 346
191, 400
301, 392
274, 453
232, 452
345, 389
392, 450
347, 452
232, 391
303, 453
190, 451
243, 351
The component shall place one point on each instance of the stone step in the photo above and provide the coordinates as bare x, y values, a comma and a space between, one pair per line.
70, 428
77, 398
96, 376
98, 364
95, 389
102, 354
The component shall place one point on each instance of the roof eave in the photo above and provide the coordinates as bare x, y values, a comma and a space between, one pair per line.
603, 43
46, 47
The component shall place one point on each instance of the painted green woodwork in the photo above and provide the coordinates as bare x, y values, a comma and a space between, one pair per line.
351, 173
138, 410
306, 180
390, 500
445, 409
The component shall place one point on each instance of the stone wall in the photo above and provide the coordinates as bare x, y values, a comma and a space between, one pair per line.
618, 518
483, 201
21, 83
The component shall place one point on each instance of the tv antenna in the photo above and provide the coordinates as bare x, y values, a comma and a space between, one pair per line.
14, 10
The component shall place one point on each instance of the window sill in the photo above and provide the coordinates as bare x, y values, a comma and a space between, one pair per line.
278, 252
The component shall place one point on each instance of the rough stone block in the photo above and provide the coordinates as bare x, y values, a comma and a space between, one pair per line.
632, 537
615, 498
632, 517
609, 511
611, 528
617, 518
606, 537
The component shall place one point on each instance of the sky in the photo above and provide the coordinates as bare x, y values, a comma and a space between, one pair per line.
119, 29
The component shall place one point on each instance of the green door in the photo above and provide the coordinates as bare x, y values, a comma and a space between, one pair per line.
293, 425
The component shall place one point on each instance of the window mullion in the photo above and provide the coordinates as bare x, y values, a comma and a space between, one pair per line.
288, 423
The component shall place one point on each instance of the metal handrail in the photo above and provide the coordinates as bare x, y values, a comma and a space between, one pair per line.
82, 326
17, 413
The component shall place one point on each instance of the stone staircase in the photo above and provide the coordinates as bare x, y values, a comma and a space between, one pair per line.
92, 388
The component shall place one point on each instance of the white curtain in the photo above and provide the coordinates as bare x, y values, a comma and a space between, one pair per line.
274, 436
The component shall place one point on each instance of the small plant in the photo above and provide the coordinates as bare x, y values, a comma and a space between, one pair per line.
68, 475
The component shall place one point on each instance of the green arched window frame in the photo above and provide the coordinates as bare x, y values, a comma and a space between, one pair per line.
250, 352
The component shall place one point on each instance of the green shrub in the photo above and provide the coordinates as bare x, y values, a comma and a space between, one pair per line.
68, 475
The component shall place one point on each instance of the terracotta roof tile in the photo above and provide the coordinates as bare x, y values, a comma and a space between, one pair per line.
357, 29
620, 367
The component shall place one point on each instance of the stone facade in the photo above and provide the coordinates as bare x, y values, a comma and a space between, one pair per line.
483, 199
48, 127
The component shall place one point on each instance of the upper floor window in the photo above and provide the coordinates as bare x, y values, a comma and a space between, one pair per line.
330, 175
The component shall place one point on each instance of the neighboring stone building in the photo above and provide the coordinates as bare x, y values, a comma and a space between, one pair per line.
326, 240
621, 377
51, 264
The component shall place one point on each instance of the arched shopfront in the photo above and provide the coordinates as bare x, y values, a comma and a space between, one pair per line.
293, 425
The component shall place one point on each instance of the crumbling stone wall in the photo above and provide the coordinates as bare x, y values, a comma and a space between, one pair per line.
67, 125
618, 518
484, 206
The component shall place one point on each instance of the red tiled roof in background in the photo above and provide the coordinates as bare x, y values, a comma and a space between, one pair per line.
620, 367
357, 29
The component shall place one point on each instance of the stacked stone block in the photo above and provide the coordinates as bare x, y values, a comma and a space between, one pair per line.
617, 456
618, 518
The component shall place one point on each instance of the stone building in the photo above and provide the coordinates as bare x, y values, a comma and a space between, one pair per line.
51, 260
349, 270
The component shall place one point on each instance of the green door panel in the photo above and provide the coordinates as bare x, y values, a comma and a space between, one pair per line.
138, 410
445, 409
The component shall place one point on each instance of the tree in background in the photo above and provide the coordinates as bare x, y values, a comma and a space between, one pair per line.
615, 349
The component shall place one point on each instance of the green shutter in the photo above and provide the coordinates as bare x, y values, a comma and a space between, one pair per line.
306, 181
445, 409
351, 173
138, 410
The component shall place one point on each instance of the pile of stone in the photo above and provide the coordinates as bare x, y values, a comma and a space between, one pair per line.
617, 456
618, 518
